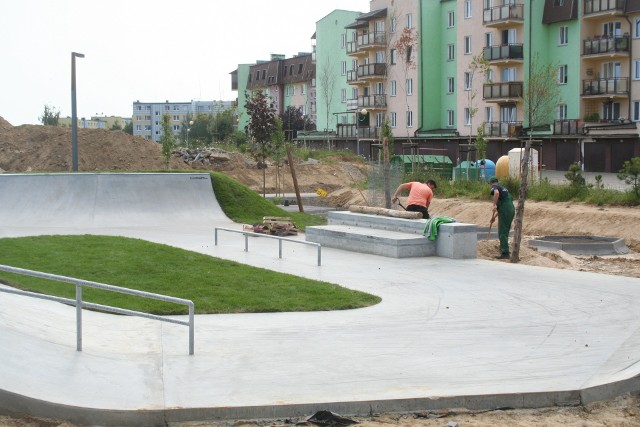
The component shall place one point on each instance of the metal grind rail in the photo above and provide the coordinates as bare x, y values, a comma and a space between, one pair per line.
79, 304
279, 238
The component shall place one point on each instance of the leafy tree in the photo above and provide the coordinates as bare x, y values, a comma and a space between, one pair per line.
116, 125
630, 174
540, 97
199, 135
222, 125
406, 47
50, 117
293, 120
574, 175
477, 65
128, 128
262, 123
386, 136
168, 140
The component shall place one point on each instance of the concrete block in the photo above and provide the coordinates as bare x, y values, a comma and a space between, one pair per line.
457, 240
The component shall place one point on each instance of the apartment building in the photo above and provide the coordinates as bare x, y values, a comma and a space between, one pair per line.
147, 116
96, 122
441, 70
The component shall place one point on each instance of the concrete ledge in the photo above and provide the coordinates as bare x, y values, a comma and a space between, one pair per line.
414, 226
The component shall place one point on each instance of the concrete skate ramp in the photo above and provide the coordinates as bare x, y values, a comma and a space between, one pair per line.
107, 200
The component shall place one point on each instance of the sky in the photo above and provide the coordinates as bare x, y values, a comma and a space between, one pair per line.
142, 50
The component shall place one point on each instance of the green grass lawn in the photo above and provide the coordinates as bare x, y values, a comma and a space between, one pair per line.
213, 284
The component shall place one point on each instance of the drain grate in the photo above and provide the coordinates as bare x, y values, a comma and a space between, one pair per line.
581, 245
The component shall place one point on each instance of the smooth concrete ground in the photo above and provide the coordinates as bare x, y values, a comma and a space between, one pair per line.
448, 333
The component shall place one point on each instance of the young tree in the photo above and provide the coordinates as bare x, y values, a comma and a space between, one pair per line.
326, 86
222, 125
386, 136
630, 173
278, 142
540, 97
168, 140
50, 116
128, 128
262, 123
116, 125
406, 47
478, 65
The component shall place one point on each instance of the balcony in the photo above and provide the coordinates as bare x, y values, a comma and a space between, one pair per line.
609, 46
352, 48
501, 92
349, 131
352, 77
592, 7
372, 102
503, 16
618, 86
502, 129
376, 40
503, 53
372, 71
568, 127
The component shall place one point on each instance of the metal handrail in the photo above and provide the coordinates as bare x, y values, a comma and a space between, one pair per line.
79, 304
280, 240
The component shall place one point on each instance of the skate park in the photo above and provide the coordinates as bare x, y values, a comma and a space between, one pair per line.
448, 333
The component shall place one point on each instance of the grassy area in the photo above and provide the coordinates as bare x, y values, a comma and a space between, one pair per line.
244, 205
214, 285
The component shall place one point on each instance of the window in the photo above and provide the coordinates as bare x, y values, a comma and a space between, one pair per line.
343, 66
562, 112
488, 114
394, 56
467, 81
393, 24
302, 89
562, 74
451, 87
394, 88
409, 87
379, 119
451, 20
488, 39
408, 58
636, 111
558, 2
300, 67
489, 76
451, 53
409, 119
636, 27
467, 45
450, 118
380, 57
636, 69
343, 40
393, 119
611, 111
509, 74
343, 95
264, 74
564, 35
409, 20
468, 12
508, 113
379, 88
467, 116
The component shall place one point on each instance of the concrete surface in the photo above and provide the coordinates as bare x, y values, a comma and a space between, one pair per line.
448, 333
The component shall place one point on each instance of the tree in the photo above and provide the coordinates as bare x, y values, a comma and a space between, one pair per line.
327, 84
168, 140
262, 123
386, 136
477, 65
406, 46
540, 97
630, 173
222, 125
128, 128
50, 116
116, 125
293, 120
278, 154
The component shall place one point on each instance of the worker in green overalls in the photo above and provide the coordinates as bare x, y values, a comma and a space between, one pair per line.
505, 211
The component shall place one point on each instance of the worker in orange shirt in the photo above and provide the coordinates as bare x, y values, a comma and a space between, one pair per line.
420, 196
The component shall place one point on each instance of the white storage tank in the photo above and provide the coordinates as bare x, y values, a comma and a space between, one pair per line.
515, 156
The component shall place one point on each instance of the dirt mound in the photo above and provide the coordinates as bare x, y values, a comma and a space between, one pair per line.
5, 124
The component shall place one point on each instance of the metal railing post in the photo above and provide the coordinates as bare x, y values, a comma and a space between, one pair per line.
280, 248
319, 255
246, 243
191, 329
78, 317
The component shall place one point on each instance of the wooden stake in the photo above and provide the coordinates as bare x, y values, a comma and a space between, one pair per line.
295, 180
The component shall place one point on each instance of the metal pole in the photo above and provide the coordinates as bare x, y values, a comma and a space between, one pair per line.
74, 114
79, 317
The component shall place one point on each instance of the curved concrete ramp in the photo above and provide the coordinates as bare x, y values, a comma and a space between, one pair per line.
107, 200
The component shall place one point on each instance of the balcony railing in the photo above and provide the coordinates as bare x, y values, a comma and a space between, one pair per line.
372, 70
605, 45
597, 6
507, 51
508, 12
349, 131
352, 47
610, 86
568, 127
375, 39
372, 101
502, 90
505, 129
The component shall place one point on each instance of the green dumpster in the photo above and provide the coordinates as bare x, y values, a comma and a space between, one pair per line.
441, 166
467, 171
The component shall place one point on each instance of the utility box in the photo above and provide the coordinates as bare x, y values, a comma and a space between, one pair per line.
515, 157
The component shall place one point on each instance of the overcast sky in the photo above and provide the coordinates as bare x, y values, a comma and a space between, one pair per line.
144, 50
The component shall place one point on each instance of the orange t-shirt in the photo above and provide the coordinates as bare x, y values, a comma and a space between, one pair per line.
419, 194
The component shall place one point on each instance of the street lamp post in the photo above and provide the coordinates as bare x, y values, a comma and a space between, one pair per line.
74, 113
364, 113
188, 129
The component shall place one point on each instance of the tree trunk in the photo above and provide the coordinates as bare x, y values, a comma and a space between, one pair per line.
524, 183
385, 173
295, 179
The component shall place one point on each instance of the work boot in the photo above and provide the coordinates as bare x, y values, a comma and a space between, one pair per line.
504, 255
